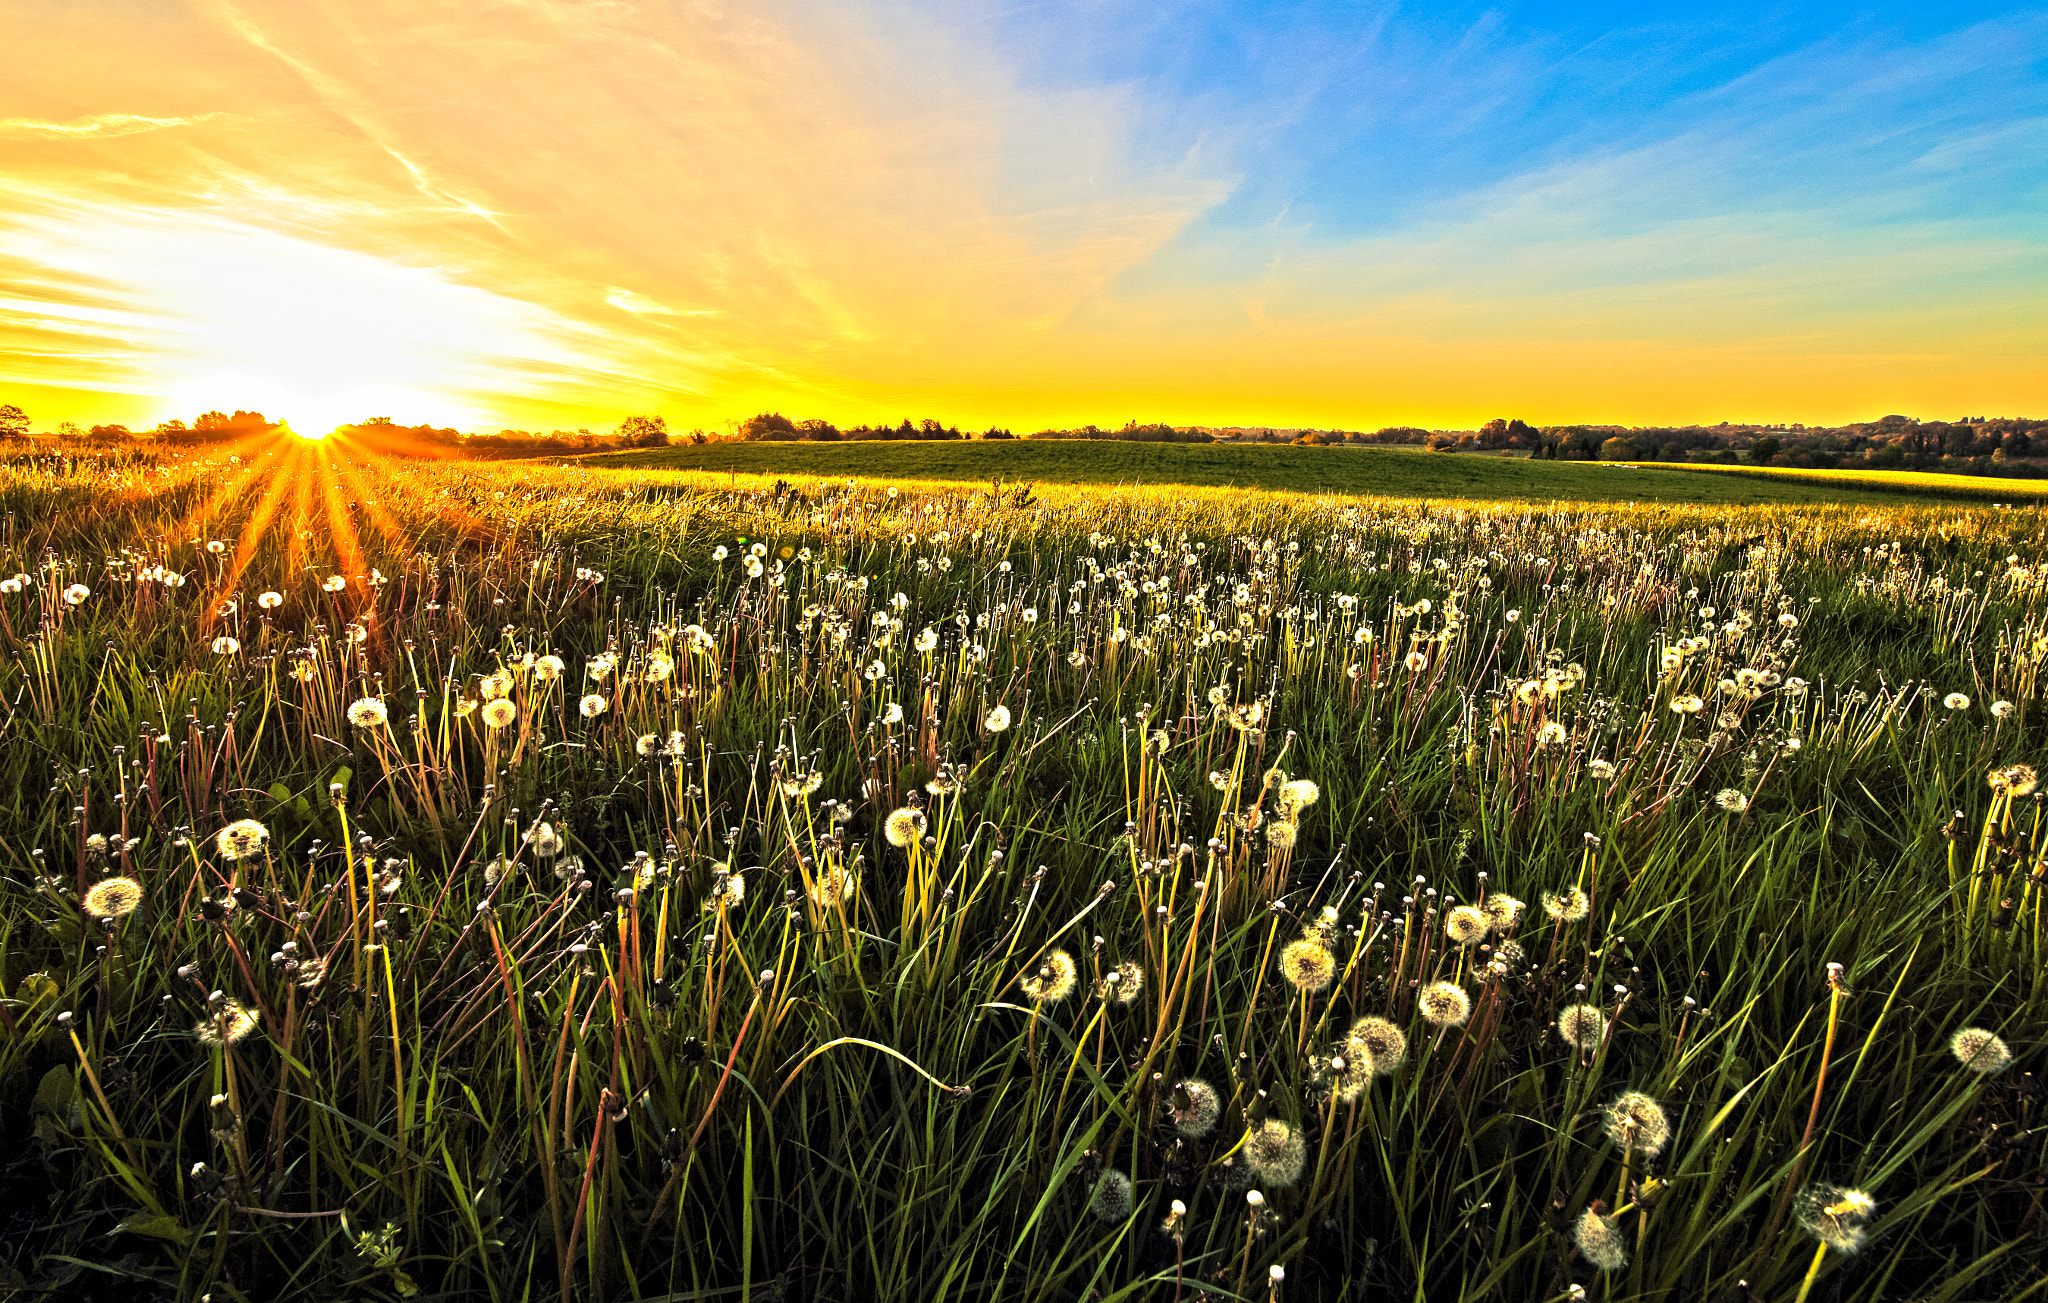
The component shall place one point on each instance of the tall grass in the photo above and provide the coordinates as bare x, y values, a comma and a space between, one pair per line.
678, 892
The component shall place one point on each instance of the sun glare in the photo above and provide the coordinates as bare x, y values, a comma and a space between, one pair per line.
234, 316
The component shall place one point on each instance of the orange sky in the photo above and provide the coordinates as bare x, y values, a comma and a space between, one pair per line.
538, 213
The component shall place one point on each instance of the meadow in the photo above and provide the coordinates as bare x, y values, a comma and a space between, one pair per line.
1396, 472
526, 882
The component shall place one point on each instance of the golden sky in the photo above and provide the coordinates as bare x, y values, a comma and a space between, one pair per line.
537, 213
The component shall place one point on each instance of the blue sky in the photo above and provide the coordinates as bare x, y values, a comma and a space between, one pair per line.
1027, 213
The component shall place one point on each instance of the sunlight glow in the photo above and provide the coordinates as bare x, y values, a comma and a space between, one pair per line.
306, 333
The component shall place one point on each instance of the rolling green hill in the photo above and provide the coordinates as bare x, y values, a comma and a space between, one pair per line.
1378, 472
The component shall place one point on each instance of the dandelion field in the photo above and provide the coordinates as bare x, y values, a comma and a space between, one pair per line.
508, 883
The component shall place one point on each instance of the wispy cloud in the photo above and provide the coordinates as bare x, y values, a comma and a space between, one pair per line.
102, 125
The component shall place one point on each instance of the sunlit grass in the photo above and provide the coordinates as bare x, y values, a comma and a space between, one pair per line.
589, 952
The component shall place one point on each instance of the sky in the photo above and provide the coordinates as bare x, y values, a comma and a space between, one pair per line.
547, 214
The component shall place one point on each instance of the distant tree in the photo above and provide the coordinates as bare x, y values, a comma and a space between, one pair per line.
767, 426
644, 432
69, 430
817, 431
996, 432
1764, 449
109, 433
1619, 448
13, 422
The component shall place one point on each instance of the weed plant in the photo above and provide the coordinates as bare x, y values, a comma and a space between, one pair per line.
515, 883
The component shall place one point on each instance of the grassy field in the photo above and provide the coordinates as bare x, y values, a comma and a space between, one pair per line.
515, 882
1355, 472
1925, 484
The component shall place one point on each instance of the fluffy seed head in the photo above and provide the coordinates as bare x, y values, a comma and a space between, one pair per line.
1467, 925
1052, 980
904, 826
1636, 1122
1600, 1241
1567, 906
1111, 1201
998, 720
547, 669
1275, 1151
1980, 1051
1387, 1043
1194, 1107
229, 1024
1282, 834
593, 705
1731, 800
1444, 1004
112, 897
1835, 1216
1300, 794
1582, 1026
1121, 985
1307, 964
1503, 911
499, 712
242, 839
368, 713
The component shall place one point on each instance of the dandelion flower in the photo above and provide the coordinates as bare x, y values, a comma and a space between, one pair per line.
1354, 1071
904, 826
592, 705
1283, 834
1502, 910
225, 646
1467, 925
1122, 984
1835, 1216
112, 897
1444, 1004
1582, 1026
1731, 800
834, 886
1307, 964
1416, 661
1980, 1051
1053, 980
1956, 701
1299, 794
1194, 1107
1687, 704
368, 712
1567, 906
546, 669
1276, 1152
270, 601
1111, 1201
228, 1025
499, 713
1600, 770
241, 839
2021, 780
1600, 1241
1637, 1122
76, 593
998, 720
494, 685
2003, 710
1387, 1043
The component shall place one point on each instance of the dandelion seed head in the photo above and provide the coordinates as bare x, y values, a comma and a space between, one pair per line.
1467, 925
1600, 1241
112, 898
1443, 1004
1193, 1108
593, 705
1567, 906
241, 839
1835, 1216
997, 720
499, 713
1276, 1152
1053, 980
1636, 1122
1956, 701
1731, 800
368, 712
1582, 1026
1386, 1043
1111, 1201
1307, 964
1980, 1051
1122, 984
904, 826
228, 1023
